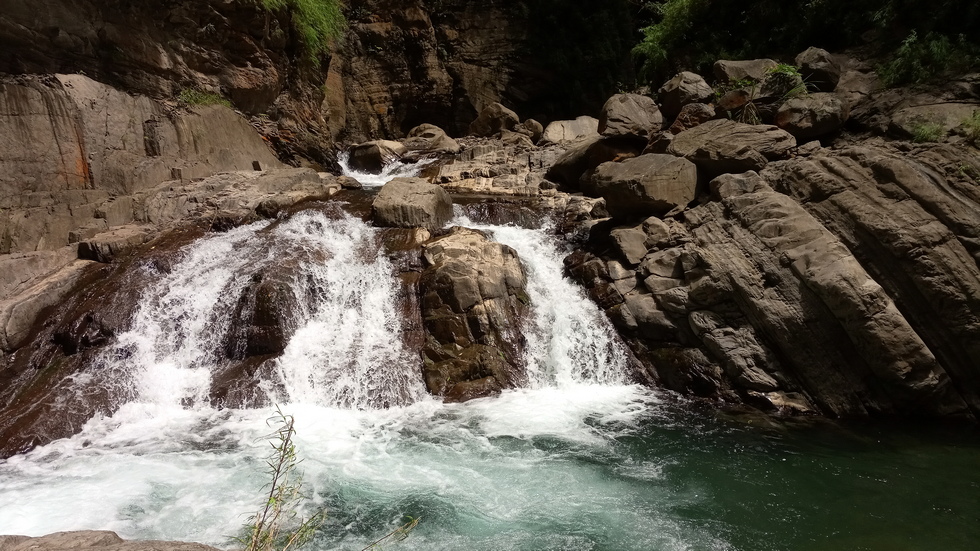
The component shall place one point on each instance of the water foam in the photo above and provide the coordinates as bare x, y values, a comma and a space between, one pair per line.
397, 169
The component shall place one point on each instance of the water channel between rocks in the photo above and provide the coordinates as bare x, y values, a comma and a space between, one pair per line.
578, 459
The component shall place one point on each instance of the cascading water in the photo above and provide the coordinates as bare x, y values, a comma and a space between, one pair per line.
389, 172
577, 460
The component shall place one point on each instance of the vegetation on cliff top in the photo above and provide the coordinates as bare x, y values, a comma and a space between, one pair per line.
317, 22
692, 34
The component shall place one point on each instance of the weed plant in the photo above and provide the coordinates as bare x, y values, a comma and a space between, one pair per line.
199, 97
927, 132
919, 60
971, 128
318, 23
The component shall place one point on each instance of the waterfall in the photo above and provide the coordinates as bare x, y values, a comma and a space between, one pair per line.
397, 169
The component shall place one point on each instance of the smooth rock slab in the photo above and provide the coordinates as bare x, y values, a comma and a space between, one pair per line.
723, 145
651, 184
411, 203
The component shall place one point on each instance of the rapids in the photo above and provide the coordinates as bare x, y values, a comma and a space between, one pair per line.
580, 459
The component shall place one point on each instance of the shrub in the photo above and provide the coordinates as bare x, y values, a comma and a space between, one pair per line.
200, 97
925, 131
921, 59
971, 128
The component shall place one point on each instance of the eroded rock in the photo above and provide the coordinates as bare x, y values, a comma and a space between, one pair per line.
412, 202
645, 185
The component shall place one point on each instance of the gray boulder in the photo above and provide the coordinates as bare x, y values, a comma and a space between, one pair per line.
584, 156
473, 297
494, 118
372, 156
429, 138
820, 69
563, 132
684, 88
812, 116
412, 202
647, 185
748, 69
723, 145
631, 116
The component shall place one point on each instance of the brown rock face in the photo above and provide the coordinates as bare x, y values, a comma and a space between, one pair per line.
723, 145
630, 116
684, 88
840, 283
812, 116
473, 300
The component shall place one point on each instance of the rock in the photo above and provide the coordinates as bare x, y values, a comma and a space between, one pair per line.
722, 146
629, 116
372, 157
820, 70
585, 155
812, 116
516, 139
690, 116
345, 182
681, 90
530, 128
412, 202
564, 132
110, 246
659, 142
649, 184
263, 320
473, 299
749, 69
94, 541
631, 243
494, 118
19, 313
429, 138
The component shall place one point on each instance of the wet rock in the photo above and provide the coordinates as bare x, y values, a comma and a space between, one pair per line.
684, 88
372, 157
494, 118
645, 185
812, 116
749, 69
723, 145
110, 246
473, 298
19, 312
820, 69
564, 132
629, 116
264, 318
412, 202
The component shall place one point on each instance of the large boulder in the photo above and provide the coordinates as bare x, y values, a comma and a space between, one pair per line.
651, 184
692, 115
429, 138
530, 128
748, 69
412, 202
563, 132
684, 88
473, 298
494, 118
722, 145
812, 116
630, 116
585, 155
372, 156
820, 69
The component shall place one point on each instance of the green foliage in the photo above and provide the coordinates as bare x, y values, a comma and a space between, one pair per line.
199, 97
692, 34
919, 60
785, 69
926, 131
276, 527
971, 128
317, 23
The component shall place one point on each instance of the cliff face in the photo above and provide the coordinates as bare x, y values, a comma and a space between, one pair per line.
401, 62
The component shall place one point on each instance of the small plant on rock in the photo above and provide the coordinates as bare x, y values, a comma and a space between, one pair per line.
971, 128
192, 97
927, 131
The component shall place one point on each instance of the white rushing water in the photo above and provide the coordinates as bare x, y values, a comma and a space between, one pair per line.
390, 171
535, 468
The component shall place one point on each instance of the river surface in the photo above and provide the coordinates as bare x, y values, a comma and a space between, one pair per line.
579, 460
